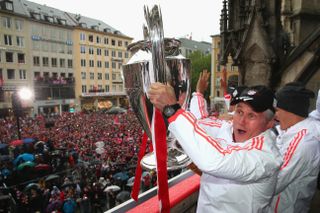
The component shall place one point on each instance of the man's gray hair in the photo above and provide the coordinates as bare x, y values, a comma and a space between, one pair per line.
269, 114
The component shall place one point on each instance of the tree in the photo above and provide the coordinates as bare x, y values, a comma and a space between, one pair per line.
199, 62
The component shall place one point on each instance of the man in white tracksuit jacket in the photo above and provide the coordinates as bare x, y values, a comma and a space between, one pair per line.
299, 144
239, 161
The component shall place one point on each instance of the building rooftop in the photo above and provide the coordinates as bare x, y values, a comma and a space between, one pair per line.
55, 16
91, 23
195, 45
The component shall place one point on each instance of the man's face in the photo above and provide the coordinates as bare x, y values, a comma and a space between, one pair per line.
285, 118
248, 123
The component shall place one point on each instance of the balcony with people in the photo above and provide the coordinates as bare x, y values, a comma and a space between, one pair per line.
54, 81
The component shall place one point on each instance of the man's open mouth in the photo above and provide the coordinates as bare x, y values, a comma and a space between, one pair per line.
240, 131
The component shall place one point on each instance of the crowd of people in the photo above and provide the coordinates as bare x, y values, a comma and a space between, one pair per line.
265, 156
87, 153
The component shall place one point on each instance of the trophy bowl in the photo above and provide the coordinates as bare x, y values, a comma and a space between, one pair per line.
138, 75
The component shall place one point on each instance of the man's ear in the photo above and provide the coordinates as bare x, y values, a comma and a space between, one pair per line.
271, 123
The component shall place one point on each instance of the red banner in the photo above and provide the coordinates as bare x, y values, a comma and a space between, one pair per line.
224, 80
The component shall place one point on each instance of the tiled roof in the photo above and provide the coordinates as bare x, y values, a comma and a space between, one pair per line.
56, 16
90, 23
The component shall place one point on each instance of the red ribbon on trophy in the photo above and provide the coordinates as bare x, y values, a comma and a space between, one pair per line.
160, 148
137, 179
160, 140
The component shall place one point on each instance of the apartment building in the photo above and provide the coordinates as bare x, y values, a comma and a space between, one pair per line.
51, 59
217, 71
100, 51
14, 54
69, 61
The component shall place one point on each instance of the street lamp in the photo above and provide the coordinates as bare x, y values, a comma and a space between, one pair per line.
25, 94
18, 96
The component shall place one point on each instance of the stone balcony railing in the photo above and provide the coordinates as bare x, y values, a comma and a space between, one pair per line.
183, 194
54, 81
99, 94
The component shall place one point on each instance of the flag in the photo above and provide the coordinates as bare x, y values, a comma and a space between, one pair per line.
223, 80
227, 99
116, 120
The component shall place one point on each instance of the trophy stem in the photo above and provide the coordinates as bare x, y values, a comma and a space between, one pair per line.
176, 159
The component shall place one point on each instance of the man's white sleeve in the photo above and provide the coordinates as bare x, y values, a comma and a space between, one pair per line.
198, 106
302, 156
244, 164
316, 113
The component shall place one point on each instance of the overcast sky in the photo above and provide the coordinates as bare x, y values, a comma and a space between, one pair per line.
180, 17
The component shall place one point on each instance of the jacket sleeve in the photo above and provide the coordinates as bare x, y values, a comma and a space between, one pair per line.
302, 157
198, 106
235, 163
316, 113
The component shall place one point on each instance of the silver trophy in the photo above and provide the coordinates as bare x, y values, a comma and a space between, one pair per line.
157, 59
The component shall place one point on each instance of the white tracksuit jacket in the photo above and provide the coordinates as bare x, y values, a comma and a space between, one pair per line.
237, 177
198, 105
297, 181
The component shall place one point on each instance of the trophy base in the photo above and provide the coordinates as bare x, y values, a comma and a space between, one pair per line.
176, 160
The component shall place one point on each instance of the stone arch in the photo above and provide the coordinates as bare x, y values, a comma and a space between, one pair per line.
233, 80
257, 67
